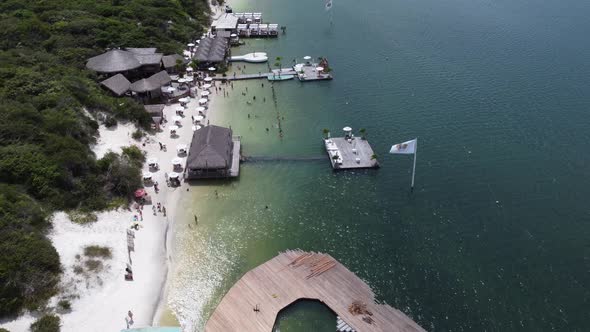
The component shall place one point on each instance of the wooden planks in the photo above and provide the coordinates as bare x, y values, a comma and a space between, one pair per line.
295, 275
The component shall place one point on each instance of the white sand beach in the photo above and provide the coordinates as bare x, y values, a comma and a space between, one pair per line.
100, 301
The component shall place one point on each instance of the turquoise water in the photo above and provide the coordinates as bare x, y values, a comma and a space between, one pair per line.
495, 236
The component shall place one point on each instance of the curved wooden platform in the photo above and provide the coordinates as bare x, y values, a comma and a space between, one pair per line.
295, 275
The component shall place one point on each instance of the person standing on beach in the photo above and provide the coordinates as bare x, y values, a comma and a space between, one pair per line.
196, 220
164, 210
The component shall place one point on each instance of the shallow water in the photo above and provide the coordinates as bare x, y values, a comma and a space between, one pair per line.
495, 235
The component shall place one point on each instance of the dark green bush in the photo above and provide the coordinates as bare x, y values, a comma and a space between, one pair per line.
47, 323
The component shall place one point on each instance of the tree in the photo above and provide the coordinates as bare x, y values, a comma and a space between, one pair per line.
278, 63
326, 132
363, 133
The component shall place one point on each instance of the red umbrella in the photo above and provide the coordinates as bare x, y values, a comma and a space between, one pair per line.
139, 193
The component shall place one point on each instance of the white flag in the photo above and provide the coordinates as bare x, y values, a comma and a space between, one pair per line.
328, 5
408, 147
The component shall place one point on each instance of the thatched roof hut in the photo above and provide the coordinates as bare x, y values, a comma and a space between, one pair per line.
118, 84
113, 61
210, 154
212, 50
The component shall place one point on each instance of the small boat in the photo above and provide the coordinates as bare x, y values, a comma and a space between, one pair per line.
279, 77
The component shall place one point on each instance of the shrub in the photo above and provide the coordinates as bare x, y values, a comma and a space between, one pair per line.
65, 304
47, 323
98, 251
93, 265
109, 121
137, 135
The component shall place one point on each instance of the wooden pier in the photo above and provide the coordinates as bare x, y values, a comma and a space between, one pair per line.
350, 153
254, 76
254, 302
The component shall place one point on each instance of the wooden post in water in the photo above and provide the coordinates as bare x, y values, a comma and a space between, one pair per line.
414, 168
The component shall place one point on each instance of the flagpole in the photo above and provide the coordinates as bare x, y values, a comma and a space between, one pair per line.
414, 168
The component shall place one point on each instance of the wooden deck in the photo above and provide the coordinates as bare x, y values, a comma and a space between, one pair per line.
295, 275
231, 77
354, 154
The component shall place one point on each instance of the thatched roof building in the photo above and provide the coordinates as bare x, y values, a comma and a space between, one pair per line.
152, 83
113, 61
169, 61
118, 84
212, 50
210, 154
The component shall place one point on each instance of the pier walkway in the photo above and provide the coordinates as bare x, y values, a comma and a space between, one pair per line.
253, 76
254, 302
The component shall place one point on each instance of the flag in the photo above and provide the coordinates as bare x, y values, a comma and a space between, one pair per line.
328, 5
408, 147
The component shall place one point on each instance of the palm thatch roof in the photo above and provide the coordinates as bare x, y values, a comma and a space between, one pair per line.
212, 50
211, 148
156, 110
169, 61
152, 83
113, 61
144, 50
118, 84
149, 59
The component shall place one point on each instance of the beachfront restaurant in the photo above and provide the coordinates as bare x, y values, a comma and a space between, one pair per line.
211, 154
212, 51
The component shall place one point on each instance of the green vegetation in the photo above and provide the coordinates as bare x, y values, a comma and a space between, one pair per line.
46, 98
47, 323
98, 251
64, 305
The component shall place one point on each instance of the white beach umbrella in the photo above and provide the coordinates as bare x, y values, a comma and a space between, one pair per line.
177, 161
205, 93
233, 35
212, 69
181, 80
147, 175
208, 79
184, 100
190, 45
173, 128
207, 86
179, 109
319, 68
199, 118
173, 175
188, 79
200, 109
170, 89
189, 68
177, 118
307, 57
347, 128
203, 101
152, 161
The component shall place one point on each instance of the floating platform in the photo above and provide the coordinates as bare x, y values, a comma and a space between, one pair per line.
310, 73
350, 153
253, 303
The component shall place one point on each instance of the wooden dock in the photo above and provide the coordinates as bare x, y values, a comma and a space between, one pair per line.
352, 153
254, 302
255, 76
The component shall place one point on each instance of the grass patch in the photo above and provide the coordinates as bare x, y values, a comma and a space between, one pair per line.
82, 218
64, 305
78, 269
93, 265
98, 251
